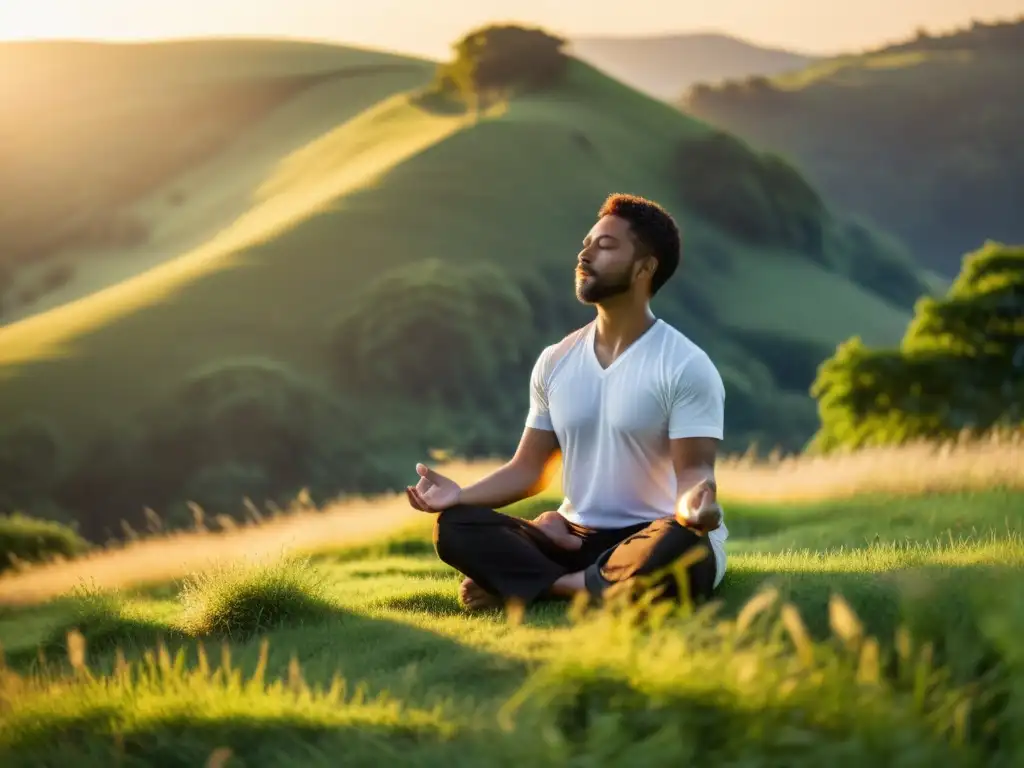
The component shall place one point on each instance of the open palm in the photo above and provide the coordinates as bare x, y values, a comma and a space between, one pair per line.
434, 492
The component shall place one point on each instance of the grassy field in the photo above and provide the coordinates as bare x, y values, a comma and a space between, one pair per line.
850, 627
280, 226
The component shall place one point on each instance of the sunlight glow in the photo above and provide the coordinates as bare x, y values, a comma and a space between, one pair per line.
407, 25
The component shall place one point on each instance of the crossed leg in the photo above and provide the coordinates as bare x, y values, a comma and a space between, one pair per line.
505, 558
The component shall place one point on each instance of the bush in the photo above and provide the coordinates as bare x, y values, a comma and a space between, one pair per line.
32, 540
958, 368
759, 198
238, 600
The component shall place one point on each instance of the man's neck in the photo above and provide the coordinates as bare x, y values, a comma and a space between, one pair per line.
620, 323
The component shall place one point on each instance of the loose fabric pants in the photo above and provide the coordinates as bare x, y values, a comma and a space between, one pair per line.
512, 559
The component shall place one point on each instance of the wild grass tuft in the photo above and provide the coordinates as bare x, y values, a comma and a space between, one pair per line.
240, 600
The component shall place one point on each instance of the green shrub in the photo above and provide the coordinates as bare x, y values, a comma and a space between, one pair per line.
33, 540
958, 368
241, 600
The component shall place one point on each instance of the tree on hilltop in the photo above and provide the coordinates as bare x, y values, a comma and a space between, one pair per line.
498, 58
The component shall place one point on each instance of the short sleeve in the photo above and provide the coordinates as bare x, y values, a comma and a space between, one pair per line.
697, 400
538, 416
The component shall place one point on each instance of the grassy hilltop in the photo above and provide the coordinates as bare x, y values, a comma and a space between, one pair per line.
922, 137
350, 198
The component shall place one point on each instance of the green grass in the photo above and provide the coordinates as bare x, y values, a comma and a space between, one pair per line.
388, 667
357, 177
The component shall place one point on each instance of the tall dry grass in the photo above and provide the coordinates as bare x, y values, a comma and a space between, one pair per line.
963, 465
960, 466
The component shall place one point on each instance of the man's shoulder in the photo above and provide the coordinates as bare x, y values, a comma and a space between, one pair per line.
679, 349
555, 353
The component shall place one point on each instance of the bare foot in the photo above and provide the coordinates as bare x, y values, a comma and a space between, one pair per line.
557, 529
475, 598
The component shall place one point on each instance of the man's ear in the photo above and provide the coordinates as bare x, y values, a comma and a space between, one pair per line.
650, 265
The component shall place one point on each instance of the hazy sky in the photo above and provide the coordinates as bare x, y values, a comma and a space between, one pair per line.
816, 26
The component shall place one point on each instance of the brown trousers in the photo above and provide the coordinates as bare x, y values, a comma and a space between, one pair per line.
512, 559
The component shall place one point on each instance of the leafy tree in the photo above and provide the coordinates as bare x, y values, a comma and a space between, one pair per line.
960, 365
497, 58
436, 331
756, 197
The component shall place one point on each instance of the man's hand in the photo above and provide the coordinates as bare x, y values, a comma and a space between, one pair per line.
557, 529
434, 492
698, 509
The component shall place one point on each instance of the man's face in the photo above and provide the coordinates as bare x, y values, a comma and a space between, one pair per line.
606, 266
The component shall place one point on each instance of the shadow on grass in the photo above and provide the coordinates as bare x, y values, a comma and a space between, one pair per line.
430, 603
174, 739
383, 652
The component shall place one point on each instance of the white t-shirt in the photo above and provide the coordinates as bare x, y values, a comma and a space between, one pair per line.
614, 424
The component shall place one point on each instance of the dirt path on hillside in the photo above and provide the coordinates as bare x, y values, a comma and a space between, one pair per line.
170, 557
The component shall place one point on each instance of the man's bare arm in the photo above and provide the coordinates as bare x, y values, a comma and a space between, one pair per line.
526, 474
693, 459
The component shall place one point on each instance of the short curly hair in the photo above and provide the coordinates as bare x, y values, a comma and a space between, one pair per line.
654, 230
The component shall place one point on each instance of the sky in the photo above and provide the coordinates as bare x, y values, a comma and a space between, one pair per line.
810, 26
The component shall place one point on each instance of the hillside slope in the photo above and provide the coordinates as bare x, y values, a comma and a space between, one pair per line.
218, 371
922, 137
109, 149
666, 66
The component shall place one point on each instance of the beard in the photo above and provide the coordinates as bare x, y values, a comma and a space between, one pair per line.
592, 288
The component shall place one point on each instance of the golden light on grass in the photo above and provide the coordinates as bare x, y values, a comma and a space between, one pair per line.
965, 465
981, 464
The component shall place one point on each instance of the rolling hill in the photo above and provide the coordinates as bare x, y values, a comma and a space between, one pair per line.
212, 361
923, 137
106, 145
664, 66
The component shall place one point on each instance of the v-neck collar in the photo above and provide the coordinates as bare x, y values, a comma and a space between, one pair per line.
592, 344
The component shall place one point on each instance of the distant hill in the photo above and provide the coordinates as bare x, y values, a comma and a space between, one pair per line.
924, 137
336, 279
666, 66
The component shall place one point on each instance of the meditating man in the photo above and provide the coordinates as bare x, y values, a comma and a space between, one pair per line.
636, 411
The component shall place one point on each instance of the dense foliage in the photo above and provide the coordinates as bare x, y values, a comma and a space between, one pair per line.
761, 199
922, 137
500, 59
758, 197
960, 365
25, 539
